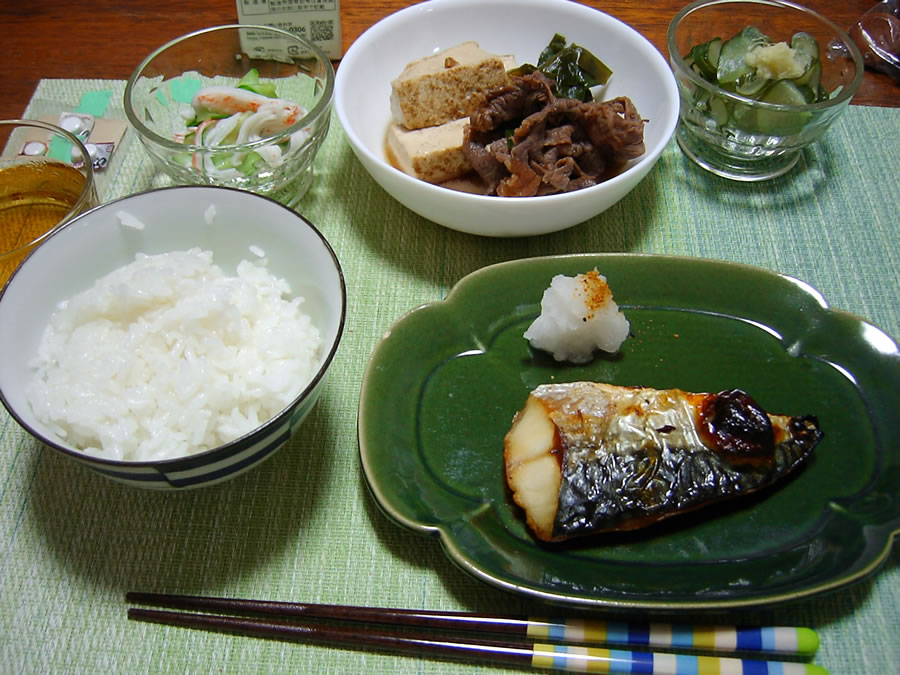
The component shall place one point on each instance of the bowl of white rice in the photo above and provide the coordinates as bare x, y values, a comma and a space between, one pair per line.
174, 338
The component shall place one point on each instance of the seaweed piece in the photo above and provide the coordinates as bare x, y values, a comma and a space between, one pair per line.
574, 69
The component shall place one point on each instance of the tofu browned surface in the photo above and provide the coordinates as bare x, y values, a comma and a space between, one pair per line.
445, 86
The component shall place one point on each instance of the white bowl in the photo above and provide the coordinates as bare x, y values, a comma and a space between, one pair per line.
95, 243
521, 28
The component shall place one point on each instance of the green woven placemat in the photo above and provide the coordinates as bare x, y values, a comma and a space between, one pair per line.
302, 526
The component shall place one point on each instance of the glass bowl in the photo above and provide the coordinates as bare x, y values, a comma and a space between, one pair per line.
740, 121
203, 108
44, 183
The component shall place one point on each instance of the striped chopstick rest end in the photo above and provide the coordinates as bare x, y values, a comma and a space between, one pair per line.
599, 660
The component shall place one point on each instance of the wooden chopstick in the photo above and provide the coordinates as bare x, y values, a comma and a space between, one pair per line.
780, 640
537, 655
344, 636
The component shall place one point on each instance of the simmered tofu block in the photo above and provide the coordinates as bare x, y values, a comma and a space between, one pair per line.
445, 86
433, 154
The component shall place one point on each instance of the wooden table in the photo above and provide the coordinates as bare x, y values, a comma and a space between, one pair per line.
108, 38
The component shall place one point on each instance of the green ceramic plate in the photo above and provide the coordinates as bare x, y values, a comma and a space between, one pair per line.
442, 386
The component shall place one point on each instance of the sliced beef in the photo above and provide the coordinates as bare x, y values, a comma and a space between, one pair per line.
524, 141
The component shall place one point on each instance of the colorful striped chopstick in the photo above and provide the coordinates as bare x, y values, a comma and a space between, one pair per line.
545, 656
298, 621
774, 640
596, 660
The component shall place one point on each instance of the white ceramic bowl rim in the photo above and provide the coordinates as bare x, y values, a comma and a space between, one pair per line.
684, 70
322, 105
226, 449
386, 25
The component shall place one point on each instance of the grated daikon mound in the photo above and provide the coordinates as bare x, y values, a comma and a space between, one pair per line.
167, 356
578, 316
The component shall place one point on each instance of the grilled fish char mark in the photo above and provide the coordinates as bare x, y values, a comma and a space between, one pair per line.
583, 458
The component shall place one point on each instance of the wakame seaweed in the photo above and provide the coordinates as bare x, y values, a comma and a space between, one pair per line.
574, 69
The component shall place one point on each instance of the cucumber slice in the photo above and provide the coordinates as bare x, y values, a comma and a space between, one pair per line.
731, 66
782, 122
811, 77
784, 92
744, 117
701, 98
705, 58
719, 110
806, 44
751, 85
715, 50
810, 95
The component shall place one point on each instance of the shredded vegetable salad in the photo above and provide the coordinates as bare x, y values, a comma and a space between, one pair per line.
221, 116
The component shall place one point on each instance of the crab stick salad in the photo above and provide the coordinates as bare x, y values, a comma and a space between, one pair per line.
222, 116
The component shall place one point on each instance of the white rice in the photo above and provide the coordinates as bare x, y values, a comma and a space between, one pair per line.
578, 316
168, 356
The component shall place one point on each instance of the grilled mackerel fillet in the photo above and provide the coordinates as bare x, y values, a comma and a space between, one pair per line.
586, 457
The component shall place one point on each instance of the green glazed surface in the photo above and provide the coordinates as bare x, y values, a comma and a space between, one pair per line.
443, 385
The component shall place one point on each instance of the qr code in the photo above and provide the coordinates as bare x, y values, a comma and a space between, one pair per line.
321, 31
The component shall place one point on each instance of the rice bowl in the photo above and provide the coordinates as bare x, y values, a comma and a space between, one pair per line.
209, 224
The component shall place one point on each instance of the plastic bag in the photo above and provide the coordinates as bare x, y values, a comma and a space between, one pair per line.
877, 34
